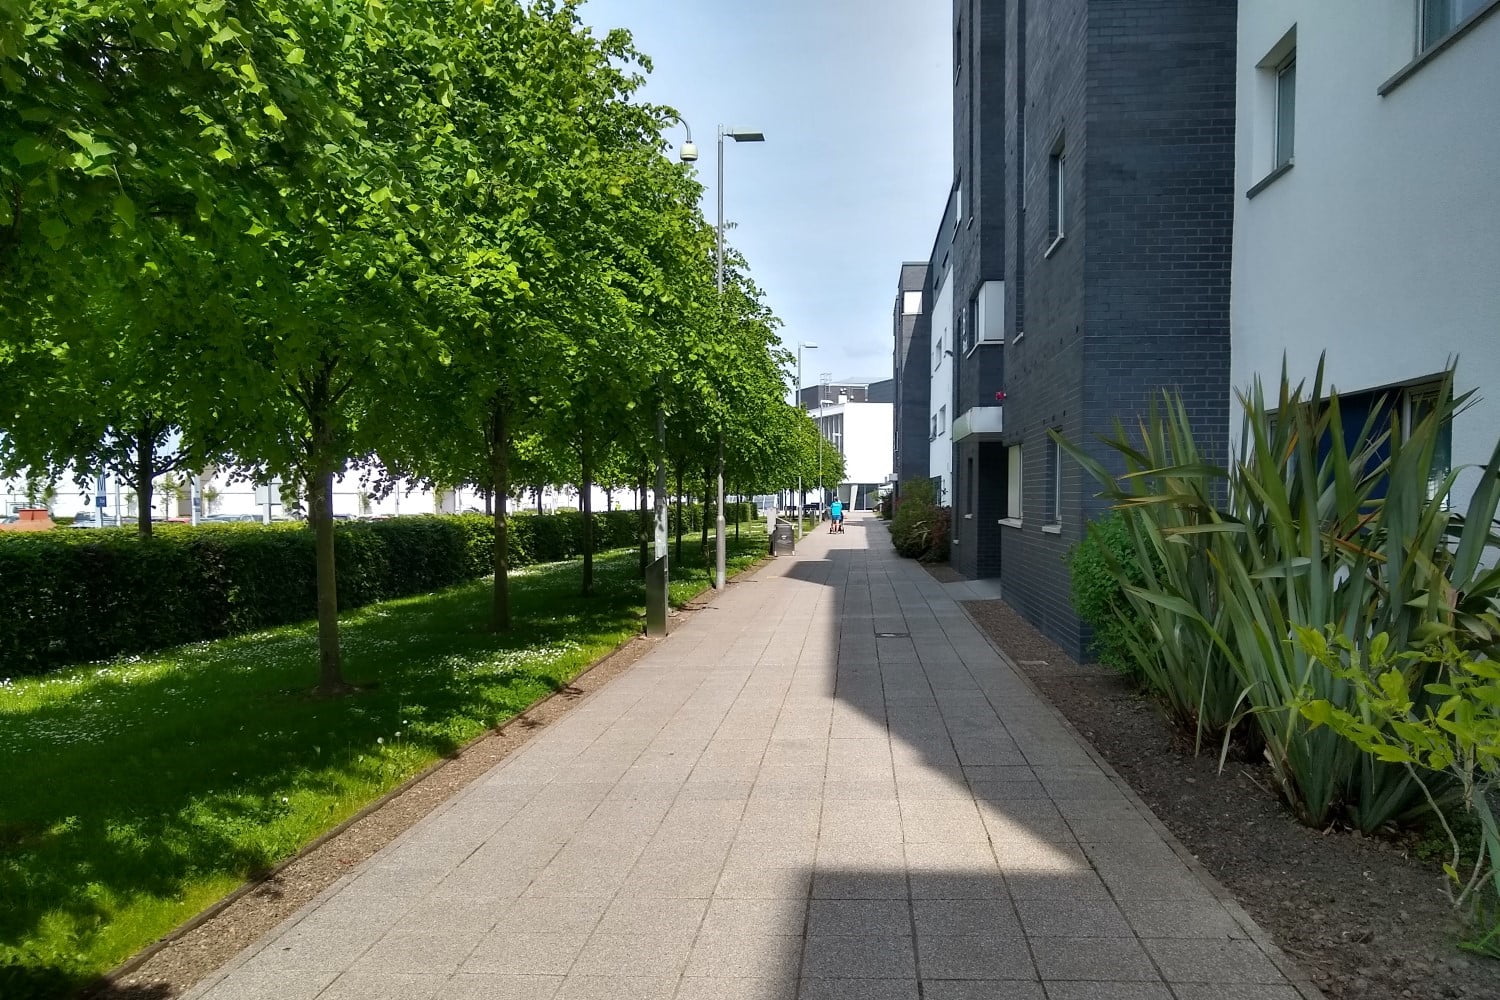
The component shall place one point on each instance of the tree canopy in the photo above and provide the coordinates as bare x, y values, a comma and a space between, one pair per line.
432, 238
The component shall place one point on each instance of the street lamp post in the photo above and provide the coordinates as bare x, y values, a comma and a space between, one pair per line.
801, 493
822, 394
738, 135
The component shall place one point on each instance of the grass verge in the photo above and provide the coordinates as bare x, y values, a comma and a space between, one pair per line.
139, 791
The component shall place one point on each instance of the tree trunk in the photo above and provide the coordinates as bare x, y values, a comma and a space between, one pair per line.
643, 520
320, 508
500, 489
659, 540
679, 513
586, 501
539, 500
707, 503
145, 480
721, 536
609, 499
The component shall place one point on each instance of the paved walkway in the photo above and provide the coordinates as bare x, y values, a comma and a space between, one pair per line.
826, 787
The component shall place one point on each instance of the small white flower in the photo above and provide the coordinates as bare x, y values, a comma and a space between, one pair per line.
380, 739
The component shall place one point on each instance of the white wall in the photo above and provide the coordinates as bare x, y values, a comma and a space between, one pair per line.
1382, 243
240, 497
867, 440
940, 455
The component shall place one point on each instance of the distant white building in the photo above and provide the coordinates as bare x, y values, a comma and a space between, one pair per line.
1367, 221
862, 434
221, 493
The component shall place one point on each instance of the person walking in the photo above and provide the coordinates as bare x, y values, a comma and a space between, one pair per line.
837, 513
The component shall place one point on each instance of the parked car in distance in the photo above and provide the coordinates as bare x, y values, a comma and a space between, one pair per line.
86, 519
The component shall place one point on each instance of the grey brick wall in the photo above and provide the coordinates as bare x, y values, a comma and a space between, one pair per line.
1045, 367
912, 377
1135, 299
979, 92
977, 507
1161, 195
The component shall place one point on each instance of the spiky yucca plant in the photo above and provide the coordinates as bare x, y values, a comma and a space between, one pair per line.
1314, 528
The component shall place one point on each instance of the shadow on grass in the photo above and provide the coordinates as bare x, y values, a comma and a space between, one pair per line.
146, 788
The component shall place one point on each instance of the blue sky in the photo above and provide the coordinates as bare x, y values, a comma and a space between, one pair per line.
855, 99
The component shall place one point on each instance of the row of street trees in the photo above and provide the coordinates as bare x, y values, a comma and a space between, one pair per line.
437, 238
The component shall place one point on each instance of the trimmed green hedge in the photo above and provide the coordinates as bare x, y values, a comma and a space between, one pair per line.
74, 596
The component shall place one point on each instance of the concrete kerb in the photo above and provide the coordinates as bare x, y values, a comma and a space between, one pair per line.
1295, 975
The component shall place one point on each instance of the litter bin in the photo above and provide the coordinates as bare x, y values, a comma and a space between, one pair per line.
783, 541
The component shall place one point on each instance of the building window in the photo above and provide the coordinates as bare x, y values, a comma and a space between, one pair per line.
1013, 483
911, 304
932, 435
1286, 109
1054, 481
965, 332
973, 487
1057, 197
942, 424
958, 202
1439, 18
937, 353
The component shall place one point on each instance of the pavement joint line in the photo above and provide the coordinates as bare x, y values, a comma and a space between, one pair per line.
793, 661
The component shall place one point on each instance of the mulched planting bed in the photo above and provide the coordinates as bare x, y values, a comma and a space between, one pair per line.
1361, 917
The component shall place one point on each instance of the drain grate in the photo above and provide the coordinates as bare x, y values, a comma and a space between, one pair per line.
893, 635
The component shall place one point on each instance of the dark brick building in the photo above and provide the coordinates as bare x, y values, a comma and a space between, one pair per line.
1094, 170
912, 384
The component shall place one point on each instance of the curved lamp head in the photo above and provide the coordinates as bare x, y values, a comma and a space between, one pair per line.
689, 152
809, 345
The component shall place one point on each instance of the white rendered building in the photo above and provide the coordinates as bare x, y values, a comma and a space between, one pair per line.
1367, 219
862, 433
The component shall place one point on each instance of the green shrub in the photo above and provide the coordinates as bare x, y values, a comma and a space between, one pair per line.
67, 597
1314, 524
1448, 731
1096, 566
920, 528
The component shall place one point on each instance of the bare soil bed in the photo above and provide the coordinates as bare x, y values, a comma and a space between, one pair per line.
1363, 918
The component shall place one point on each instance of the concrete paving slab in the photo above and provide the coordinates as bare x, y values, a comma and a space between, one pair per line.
829, 787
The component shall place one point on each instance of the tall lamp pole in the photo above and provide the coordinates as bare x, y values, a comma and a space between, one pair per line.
822, 393
801, 493
738, 135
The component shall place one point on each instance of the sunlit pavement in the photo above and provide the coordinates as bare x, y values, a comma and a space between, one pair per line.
827, 785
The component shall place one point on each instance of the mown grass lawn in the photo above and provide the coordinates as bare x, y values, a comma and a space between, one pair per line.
135, 793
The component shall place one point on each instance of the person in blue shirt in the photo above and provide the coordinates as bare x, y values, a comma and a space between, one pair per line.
837, 513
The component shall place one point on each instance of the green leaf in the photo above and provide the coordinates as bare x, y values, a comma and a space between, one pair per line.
125, 210
54, 229
29, 150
